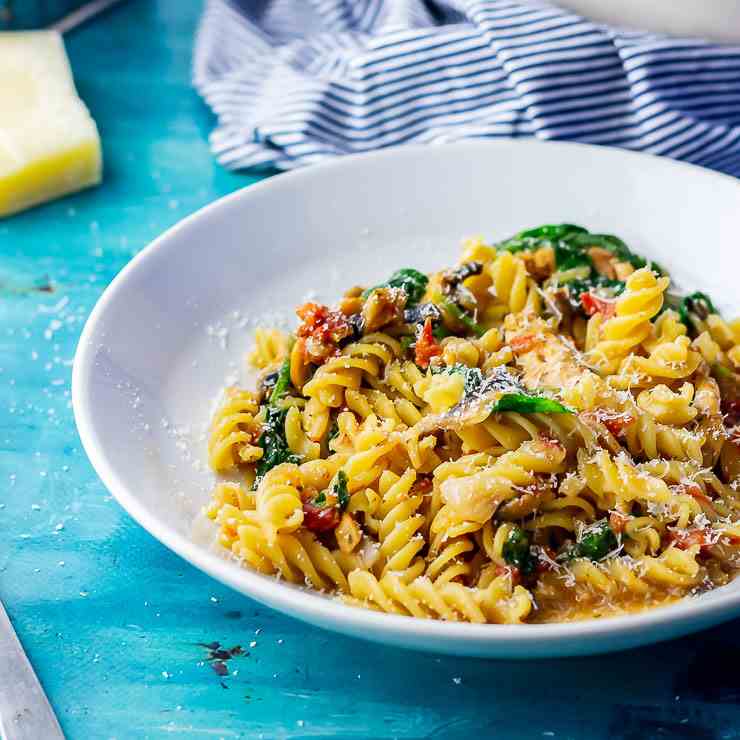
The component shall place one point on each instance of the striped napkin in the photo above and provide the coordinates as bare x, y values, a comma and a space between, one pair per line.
294, 82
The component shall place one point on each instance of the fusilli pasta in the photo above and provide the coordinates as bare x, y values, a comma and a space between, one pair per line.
539, 433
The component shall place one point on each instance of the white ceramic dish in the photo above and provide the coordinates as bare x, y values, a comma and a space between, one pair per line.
177, 321
718, 20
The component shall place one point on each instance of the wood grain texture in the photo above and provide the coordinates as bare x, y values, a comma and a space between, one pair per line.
119, 629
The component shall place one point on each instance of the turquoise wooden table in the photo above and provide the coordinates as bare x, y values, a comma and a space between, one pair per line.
132, 642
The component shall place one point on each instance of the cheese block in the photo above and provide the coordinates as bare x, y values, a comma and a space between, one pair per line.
49, 144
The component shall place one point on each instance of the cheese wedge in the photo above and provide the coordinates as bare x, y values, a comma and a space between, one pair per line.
49, 144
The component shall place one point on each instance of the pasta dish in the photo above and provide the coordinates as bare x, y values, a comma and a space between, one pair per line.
543, 432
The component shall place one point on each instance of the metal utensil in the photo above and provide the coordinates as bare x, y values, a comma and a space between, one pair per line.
25, 712
83, 14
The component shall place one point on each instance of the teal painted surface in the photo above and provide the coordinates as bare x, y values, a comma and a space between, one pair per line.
111, 619
18, 15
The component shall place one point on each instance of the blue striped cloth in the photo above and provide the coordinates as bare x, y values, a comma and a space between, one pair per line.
294, 82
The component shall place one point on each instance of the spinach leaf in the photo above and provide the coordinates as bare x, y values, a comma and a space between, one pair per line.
441, 331
601, 285
514, 396
407, 343
598, 284
339, 489
596, 542
460, 315
516, 551
472, 377
568, 256
551, 232
616, 246
410, 281
540, 236
695, 308
282, 383
529, 404
273, 442
571, 244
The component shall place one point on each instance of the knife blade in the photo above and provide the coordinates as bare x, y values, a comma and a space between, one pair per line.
25, 712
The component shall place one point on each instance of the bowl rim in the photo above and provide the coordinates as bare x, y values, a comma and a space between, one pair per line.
315, 607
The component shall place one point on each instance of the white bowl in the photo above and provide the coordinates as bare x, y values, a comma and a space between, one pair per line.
718, 20
171, 328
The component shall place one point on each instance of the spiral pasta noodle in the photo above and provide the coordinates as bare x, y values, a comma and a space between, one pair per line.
234, 431
541, 432
641, 301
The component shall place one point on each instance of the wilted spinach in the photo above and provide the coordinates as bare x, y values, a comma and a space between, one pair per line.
410, 281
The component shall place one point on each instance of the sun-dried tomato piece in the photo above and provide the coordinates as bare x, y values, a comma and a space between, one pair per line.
550, 442
734, 436
510, 570
695, 491
617, 520
423, 484
320, 518
684, 539
615, 421
595, 304
548, 563
523, 343
426, 345
320, 331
